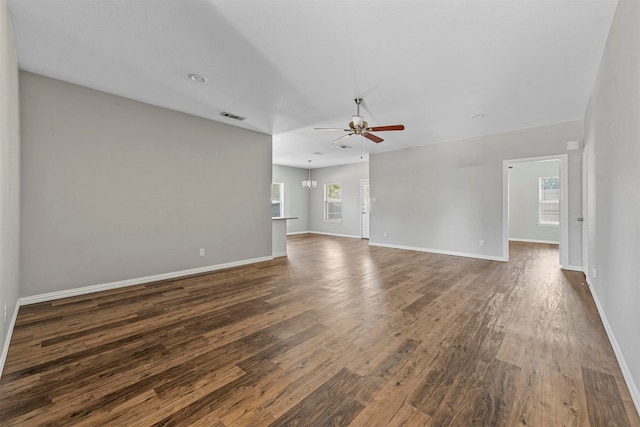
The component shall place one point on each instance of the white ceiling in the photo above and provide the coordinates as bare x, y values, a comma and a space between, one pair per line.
290, 66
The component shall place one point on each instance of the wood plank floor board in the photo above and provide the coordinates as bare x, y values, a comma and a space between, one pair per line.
394, 394
529, 399
333, 403
270, 394
568, 404
300, 388
603, 398
337, 333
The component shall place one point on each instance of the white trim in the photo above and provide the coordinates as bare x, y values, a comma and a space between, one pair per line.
7, 340
549, 242
336, 235
586, 274
438, 251
626, 373
293, 233
564, 203
585, 196
279, 254
564, 209
572, 268
505, 210
50, 296
549, 224
362, 182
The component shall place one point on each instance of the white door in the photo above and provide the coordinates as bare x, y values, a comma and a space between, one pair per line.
365, 204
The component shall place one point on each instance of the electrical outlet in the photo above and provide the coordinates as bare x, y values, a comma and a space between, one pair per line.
385, 234
5, 312
595, 273
481, 242
201, 251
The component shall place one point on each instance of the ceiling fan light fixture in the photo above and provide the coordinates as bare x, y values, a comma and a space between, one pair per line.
357, 121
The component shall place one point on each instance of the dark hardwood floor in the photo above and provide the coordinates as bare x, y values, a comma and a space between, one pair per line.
338, 333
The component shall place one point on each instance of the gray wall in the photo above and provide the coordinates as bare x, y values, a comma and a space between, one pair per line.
448, 196
612, 137
114, 189
523, 201
9, 177
296, 198
349, 176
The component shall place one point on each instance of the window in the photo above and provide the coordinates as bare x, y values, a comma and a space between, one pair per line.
549, 201
277, 199
333, 202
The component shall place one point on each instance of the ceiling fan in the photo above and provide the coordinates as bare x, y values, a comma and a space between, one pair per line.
357, 126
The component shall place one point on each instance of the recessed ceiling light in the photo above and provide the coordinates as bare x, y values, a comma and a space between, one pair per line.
342, 146
198, 78
478, 116
317, 153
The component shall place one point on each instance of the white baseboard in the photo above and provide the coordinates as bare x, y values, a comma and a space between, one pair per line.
279, 254
438, 251
50, 296
353, 236
548, 242
626, 373
572, 267
7, 340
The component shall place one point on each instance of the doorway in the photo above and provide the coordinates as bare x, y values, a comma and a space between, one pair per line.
365, 204
544, 185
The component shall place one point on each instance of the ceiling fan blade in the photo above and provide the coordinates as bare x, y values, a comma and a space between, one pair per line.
372, 137
342, 137
340, 129
384, 128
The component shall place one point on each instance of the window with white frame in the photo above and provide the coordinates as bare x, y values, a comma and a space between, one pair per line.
277, 199
549, 201
333, 202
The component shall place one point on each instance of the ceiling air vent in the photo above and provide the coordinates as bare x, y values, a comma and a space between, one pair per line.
232, 116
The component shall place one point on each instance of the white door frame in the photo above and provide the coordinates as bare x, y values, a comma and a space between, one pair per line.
585, 195
362, 182
564, 204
